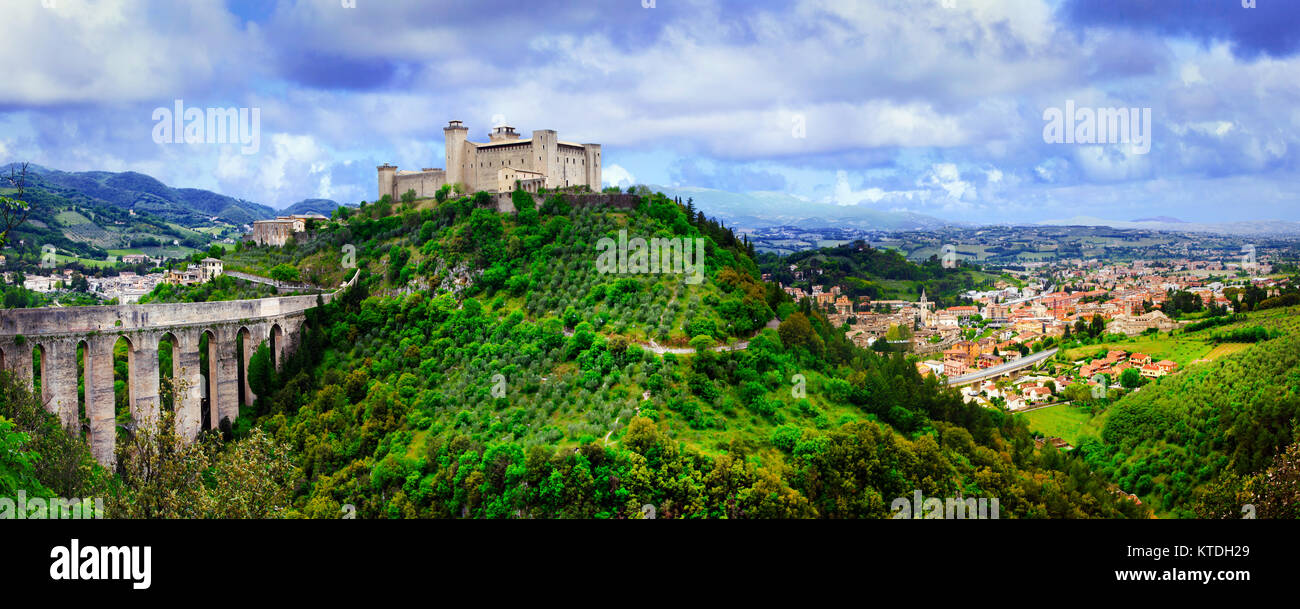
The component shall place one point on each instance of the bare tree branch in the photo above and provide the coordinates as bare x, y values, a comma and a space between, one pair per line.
14, 210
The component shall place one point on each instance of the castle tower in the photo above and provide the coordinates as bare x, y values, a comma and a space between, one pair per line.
546, 148
455, 135
593, 166
387, 181
503, 133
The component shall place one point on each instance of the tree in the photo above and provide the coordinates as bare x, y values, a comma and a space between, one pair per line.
16, 471
1078, 392
427, 231
522, 199
898, 333
261, 371
284, 272
14, 211
79, 283
797, 331
702, 343
1130, 378
397, 258
1273, 493
1097, 327
164, 474
167, 476
57, 458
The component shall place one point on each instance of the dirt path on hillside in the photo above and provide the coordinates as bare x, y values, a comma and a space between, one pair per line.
658, 349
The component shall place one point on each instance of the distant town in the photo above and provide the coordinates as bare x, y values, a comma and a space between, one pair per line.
127, 287
1038, 306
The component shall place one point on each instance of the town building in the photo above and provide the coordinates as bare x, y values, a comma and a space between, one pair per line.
1129, 325
210, 268
277, 232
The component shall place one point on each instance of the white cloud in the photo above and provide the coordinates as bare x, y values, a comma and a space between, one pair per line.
615, 175
91, 51
843, 194
878, 84
947, 178
1191, 74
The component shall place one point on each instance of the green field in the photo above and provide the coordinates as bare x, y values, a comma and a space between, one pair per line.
71, 218
1065, 421
61, 259
1181, 349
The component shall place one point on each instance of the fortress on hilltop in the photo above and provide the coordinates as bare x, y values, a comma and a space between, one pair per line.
541, 161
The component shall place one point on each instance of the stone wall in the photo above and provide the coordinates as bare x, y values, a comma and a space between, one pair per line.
424, 183
126, 318
272, 232
505, 205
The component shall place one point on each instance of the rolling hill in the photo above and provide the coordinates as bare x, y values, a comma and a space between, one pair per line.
94, 214
189, 207
324, 207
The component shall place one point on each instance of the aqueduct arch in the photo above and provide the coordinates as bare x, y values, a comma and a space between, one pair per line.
57, 333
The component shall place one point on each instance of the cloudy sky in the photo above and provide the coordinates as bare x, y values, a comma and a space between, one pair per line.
932, 106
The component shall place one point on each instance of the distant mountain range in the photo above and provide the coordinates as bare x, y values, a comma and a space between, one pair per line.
1165, 219
192, 207
136, 191
766, 209
1164, 223
324, 207
130, 190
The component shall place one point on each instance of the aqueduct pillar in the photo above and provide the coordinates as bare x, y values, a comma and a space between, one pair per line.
57, 333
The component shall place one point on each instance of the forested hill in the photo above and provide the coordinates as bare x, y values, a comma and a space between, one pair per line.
135, 191
1195, 441
482, 367
325, 207
862, 270
536, 390
90, 215
1211, 439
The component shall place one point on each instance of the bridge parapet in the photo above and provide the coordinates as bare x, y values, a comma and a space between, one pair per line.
128, 318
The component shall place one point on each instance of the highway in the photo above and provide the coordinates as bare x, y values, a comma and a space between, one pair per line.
1000, 369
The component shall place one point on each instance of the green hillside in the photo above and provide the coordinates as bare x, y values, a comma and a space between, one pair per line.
880, 274
89, 216
482, 366
1215, 421
527, 386
324, 207
128, 190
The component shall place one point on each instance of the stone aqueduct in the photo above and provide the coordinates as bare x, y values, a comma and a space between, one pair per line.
54, 335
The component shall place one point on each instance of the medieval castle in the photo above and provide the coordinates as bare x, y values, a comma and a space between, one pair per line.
542, 161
